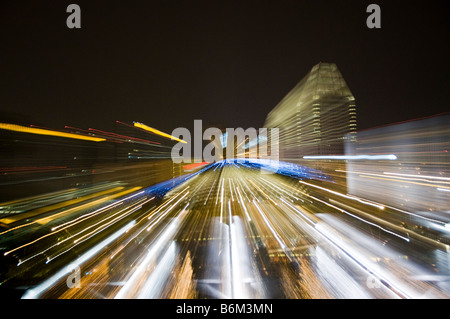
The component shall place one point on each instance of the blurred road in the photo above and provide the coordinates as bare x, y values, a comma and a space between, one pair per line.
231, 230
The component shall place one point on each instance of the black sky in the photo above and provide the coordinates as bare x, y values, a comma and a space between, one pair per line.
166, 63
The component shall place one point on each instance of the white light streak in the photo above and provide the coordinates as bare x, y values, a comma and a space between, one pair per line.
35, 292
390, 157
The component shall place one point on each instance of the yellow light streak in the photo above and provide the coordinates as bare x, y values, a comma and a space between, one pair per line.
40, 131
46, 209
157, 132
52, 233
28, 199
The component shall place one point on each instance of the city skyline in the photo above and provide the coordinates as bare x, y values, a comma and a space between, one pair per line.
233, 152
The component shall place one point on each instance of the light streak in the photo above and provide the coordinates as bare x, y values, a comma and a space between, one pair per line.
298, 211
76, 242
46, 209
99, 229
191, 167
154, 250
52, 233
231, 190
154, 285
157, 132
353, 254
238, 266
419, 176
44, 286
390, 157
166, 212
40, 131
267, 196
346, 196
103, 225
242, 203
400, 179
357, 217
283, 246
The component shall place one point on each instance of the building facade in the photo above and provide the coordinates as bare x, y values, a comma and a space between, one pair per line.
316, 116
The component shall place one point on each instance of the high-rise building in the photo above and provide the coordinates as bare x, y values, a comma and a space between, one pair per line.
315, 117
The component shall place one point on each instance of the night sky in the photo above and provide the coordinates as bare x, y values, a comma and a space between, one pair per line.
166, 63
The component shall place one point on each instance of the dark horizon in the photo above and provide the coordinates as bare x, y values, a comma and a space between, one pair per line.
167, 63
